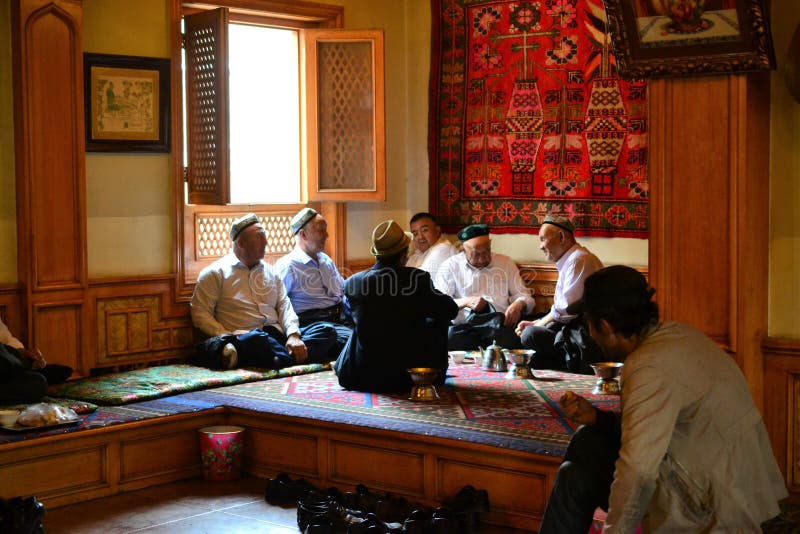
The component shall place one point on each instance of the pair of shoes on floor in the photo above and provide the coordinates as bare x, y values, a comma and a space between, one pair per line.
230, 357
318, 510
283, 490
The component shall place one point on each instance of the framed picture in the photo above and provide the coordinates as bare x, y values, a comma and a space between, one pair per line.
126, 103
658, 38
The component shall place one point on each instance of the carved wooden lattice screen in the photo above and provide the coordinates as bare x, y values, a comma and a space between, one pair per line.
345, 126
206, 44
212, 238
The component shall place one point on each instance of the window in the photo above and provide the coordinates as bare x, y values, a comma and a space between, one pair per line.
327, 135
269, 123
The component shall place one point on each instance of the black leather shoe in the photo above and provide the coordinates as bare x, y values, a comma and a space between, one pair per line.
417, 522
282, 489
373, 524
362, 499
317, 507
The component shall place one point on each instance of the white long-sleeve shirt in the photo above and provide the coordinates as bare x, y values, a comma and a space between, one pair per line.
432, 259
499, 283
229, 296
573, 268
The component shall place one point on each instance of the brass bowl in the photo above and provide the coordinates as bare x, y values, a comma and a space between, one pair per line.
607, 369
607, 372
520, 363
423, 388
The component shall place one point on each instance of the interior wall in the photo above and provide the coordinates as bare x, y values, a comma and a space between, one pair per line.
128, 195
784, 246
8, 209
408, 51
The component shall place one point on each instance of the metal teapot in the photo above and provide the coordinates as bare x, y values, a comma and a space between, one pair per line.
493, 358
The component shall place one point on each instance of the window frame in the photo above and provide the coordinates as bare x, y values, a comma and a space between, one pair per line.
293, 14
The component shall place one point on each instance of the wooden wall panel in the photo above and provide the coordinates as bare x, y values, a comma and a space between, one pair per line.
50, 137
693, 176
782, 407
57, 332
709, 146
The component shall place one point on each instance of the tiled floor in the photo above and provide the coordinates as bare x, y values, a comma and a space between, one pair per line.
191, 506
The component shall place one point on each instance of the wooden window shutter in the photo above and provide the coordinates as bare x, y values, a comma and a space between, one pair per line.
344, 121
206, 47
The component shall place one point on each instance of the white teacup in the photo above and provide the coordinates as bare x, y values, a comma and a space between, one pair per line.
8, 417
458, 356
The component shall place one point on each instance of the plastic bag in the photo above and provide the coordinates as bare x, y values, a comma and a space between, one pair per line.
44, 414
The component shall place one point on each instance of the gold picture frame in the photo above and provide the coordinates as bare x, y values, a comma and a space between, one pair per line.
126, 103
660, 38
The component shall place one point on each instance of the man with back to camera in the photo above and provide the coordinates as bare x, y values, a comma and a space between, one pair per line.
432, 248
400, 319
485, 286
559, 338
313, 282
687, 453
242, 304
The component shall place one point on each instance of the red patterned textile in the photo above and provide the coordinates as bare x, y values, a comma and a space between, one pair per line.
528, 118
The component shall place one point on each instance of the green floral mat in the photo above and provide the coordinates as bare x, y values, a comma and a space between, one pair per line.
156, 382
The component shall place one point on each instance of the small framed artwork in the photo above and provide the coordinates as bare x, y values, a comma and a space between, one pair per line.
126, 103
659, 38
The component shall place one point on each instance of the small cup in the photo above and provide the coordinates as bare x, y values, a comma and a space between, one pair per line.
458, 356
8, 417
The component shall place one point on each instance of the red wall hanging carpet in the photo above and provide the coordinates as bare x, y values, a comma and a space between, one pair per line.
528, 118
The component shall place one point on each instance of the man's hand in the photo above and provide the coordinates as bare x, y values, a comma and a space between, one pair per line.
475, 303
35, 356
577, 409
296, 348
514, 312
522, 326
240, 332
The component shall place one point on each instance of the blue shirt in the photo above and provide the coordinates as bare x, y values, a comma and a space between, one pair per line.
311, 284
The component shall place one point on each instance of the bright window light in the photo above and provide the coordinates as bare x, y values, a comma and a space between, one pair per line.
264, 114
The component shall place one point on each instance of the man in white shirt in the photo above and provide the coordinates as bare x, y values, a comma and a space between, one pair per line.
242, 304
314, 284
432, 248
488, 290
559, 338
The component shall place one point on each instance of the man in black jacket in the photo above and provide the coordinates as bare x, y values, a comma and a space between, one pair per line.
400, 320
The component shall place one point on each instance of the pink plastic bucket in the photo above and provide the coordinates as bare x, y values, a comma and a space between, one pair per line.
221, 452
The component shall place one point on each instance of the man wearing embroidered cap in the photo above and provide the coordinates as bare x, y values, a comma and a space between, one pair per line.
314, 284
400, 319
489, 291
559, 339
687, 453
241, 303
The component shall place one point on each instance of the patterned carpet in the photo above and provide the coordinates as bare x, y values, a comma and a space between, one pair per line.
475, 405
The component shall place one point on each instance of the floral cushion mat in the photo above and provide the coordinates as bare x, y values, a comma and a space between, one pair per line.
156, 382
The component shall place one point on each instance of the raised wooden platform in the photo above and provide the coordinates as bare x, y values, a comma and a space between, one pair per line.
88, 464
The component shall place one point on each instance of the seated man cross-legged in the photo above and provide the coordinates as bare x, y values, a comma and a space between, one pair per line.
242, 304
489, 291
313, 282
400, 319
559, 338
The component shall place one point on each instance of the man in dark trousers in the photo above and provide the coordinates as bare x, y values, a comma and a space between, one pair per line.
400, 320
